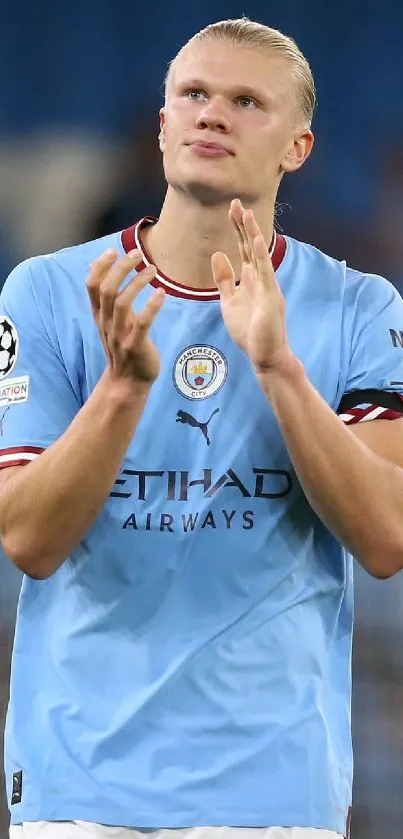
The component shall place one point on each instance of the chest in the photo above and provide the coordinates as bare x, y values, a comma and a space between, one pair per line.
206, 394
208, 460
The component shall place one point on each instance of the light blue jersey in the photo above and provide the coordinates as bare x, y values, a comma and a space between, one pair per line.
189, 663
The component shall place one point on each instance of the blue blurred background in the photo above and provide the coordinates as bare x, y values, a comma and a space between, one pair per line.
80, 89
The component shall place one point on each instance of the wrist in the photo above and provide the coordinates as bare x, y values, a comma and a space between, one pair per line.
287, 369
122, 390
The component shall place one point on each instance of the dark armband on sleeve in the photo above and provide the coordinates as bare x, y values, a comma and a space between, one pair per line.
364, 405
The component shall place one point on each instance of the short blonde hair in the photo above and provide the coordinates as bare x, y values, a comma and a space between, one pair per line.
249, 33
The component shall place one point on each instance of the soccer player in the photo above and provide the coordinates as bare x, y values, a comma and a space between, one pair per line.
192, 460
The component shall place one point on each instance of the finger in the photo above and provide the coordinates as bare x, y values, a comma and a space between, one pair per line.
252, 230
237, 210
234, 211
223, 274
264, 265
98, 271
244, 254
111, 283
250, 224
248, 278
145, 318
124, 300
235, 214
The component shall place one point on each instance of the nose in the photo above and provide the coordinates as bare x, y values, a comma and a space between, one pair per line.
213, 116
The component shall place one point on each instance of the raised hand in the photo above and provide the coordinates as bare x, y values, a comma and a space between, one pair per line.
124, 333
253, 310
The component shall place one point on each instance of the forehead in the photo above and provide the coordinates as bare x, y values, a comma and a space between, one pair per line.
228, 65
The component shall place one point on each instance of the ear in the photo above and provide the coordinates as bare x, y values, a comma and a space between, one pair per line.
298, 152
161, 136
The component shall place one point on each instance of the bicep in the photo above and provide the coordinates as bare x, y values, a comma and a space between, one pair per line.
384, 437
5, 475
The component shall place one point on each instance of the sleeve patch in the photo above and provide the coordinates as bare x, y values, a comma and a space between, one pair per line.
14, 391
8, 346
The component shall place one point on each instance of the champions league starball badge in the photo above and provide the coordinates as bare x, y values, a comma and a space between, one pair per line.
200, 371
8, 346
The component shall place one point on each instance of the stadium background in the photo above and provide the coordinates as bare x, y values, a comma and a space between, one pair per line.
80, 88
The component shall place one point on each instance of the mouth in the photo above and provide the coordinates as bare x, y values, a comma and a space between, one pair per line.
206, 149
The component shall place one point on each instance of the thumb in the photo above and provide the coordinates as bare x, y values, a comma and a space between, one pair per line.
223, 274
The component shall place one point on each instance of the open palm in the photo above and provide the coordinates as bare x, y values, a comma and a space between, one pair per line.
254, 310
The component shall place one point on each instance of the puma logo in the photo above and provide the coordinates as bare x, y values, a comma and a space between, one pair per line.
2, 420
187, 419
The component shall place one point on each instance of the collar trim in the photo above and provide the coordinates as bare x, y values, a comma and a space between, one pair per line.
131, 237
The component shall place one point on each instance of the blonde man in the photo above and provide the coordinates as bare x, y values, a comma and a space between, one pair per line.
200, 465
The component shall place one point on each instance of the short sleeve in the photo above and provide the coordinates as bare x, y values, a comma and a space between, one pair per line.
37, 400
374, 385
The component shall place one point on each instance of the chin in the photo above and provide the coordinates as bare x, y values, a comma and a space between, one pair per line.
206, 191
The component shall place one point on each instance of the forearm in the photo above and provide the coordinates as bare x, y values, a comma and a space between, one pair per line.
47, 506
357, 494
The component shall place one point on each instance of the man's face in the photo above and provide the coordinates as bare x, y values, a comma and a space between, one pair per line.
231, 123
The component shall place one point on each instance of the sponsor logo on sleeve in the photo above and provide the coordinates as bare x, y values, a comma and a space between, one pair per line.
8, 346
396, 336
14, 391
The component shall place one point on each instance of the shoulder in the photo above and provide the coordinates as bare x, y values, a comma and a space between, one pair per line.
369, 292
315, 263
58, 270
357, 289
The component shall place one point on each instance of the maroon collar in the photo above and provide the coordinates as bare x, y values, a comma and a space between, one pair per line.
131, 238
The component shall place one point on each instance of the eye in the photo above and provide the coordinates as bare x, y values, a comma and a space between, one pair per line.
247, 102
196, 95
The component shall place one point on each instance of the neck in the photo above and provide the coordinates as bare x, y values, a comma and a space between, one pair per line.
186, 235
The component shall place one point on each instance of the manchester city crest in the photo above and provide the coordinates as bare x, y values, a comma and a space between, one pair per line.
200, 371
